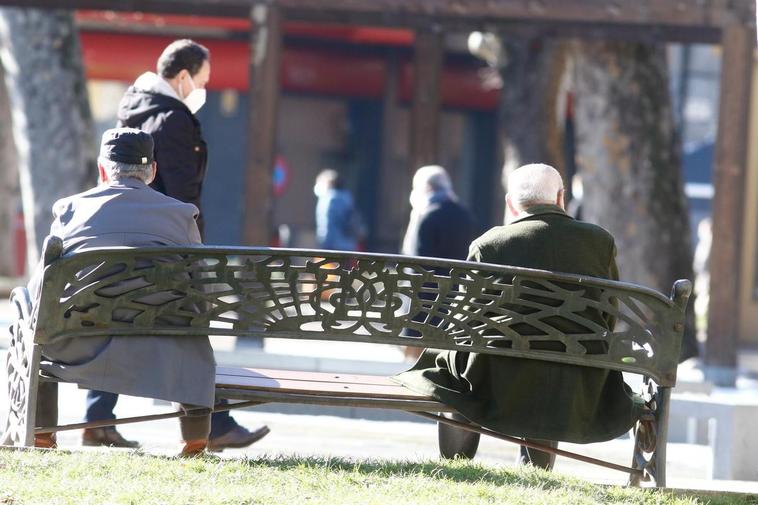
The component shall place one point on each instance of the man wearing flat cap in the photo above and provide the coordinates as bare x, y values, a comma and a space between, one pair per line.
124, 211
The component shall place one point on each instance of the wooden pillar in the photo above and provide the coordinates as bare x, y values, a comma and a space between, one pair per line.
10, 199
395, 182
263, 108
729, 173
425, 116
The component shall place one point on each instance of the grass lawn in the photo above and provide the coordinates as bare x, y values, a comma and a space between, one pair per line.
115, 477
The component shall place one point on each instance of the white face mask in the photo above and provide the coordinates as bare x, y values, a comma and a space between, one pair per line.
419, 199
196, 98
320, 190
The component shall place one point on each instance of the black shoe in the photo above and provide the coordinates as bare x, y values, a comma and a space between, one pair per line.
237, 438
107, 436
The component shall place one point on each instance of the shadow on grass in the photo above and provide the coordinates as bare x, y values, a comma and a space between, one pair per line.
464, 471
447, 470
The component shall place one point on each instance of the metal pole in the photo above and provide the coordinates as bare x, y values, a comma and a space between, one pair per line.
139, 419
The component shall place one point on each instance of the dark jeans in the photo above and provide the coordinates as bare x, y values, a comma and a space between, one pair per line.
47, 404
100, 405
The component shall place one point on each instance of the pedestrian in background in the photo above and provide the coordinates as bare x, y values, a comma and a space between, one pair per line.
338, 224
439, 226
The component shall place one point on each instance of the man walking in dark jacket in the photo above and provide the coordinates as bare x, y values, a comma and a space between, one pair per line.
439, 226
164, 104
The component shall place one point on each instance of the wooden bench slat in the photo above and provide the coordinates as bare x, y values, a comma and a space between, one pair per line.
326, 386
375, 380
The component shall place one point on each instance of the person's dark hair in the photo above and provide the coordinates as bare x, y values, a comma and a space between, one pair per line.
182, 54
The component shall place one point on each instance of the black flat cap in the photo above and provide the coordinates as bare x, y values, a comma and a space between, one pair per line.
127, 145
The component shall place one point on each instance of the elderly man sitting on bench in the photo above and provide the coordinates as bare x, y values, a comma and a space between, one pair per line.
124, 211
538, 400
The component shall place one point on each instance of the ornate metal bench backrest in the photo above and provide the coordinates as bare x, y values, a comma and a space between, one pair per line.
361, 297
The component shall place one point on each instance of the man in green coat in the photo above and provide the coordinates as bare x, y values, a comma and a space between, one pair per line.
541, 401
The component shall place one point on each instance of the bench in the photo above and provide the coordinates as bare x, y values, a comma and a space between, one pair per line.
356, 297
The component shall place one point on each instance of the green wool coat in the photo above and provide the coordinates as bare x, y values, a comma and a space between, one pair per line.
531, 398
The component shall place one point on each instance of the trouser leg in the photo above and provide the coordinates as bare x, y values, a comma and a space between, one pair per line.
537, 458
221, 422
456, 442
195, 426
100, 405
47, 404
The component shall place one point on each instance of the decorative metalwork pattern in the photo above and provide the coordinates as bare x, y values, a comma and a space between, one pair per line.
327, 295
20, 368
650, 434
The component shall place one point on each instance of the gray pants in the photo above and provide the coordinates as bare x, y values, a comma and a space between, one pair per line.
193, 427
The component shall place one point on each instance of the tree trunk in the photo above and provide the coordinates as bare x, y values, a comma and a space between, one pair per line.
629, 158
52, 123
9, 197
531, 130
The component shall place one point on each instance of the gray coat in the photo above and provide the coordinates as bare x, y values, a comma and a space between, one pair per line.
129, 213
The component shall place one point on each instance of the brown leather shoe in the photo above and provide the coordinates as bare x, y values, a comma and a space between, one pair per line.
647, 432
194, 448
46, 441
107, 436
236, 438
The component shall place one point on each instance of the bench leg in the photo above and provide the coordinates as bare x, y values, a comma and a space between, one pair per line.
650, 448
664, 404
22, 367
456, 442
